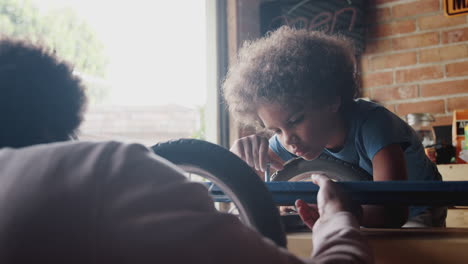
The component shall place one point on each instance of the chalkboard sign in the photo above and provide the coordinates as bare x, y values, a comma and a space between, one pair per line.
345, 17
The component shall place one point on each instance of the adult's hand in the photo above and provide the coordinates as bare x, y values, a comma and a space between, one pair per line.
330, 200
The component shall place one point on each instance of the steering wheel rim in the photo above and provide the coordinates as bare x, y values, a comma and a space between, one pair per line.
233, 173
299, 169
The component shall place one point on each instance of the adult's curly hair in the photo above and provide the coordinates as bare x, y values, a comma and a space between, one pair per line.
41, 100
290, 67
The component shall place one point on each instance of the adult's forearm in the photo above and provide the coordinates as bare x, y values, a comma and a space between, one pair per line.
339, 240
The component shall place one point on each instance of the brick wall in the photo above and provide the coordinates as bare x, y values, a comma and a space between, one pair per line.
416, 59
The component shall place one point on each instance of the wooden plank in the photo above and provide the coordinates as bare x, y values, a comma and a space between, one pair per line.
457, 218
454, 172
403, 245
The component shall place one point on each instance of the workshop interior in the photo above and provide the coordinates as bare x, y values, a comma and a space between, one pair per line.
209, 86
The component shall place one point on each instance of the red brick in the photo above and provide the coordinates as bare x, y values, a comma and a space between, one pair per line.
377, 79
381, 2
393, 60
364, 64
457, 69
366, 93
382, 14
443, 53
434, 107
455, 35
444, 88
415, 8
394, 93
393, 28
416, 41
457, 103
439, 21
419, 74
378, 46
390, 107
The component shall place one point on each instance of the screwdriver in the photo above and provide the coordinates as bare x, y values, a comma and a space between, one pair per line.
267, 172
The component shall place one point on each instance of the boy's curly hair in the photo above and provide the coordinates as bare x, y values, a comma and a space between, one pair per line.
290, 67
41, 100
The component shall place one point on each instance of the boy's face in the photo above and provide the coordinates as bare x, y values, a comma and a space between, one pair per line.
303, 131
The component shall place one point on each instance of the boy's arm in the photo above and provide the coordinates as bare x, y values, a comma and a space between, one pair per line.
388, 165
256, 152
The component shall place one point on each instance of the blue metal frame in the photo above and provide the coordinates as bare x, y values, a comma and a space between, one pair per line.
382, 193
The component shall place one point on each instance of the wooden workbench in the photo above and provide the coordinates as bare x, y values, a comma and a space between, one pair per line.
455, 172
401, 246
456, 217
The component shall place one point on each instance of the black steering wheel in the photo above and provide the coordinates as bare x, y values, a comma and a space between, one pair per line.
299, 169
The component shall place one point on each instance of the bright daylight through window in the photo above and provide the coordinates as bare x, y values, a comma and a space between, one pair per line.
143, 62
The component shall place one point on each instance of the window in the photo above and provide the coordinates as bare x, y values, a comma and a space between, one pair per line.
144, 62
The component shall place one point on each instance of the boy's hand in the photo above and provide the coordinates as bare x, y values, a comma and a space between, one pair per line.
254, 151
330, 200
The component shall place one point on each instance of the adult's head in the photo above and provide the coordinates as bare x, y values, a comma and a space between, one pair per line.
41, 100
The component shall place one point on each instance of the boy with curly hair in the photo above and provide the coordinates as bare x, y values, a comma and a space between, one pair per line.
302, 85
41, 100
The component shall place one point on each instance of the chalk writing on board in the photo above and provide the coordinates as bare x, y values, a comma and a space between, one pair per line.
330, 16
325, 21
